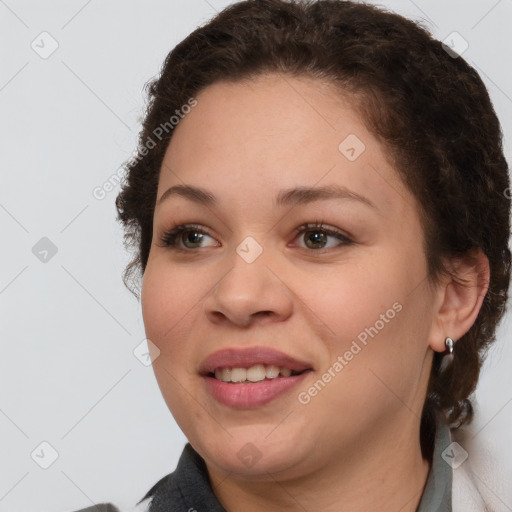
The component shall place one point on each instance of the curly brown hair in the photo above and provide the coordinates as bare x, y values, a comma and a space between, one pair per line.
430, 110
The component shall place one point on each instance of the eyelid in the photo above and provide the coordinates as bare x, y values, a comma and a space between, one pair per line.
321, 226
168, 237
330, 231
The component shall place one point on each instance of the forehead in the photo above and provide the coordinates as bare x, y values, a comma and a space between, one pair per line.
266, 111
274, 132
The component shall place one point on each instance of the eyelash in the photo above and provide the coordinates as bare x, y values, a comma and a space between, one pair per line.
168, 238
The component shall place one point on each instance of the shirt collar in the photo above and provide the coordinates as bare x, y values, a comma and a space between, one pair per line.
437, 496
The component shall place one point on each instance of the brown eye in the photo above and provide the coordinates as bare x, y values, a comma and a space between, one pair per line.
192, 237
186, 234
316, 236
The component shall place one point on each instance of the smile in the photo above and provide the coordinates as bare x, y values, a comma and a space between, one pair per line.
249, 377
255, 373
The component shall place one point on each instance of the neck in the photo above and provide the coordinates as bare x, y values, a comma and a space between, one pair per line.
384, 472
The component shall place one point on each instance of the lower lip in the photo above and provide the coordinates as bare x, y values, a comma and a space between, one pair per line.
251, 394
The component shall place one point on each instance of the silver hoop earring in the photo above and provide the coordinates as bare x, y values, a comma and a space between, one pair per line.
448, 357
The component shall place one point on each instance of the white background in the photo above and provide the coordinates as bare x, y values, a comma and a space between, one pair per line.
68, 327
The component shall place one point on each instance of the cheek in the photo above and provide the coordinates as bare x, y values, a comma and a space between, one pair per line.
164, 310
353, 298
376, 317
166, 301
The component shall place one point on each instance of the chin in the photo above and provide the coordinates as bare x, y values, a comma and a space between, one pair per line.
252, 453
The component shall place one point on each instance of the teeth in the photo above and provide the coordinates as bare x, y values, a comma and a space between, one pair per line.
255, 373
271, 371
238, 374
286, 372
223, 374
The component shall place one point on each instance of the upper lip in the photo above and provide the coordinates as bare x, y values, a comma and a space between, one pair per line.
247, 357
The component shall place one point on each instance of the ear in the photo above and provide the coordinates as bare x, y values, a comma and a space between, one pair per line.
459, 297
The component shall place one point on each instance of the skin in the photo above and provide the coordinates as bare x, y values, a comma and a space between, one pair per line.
357, 441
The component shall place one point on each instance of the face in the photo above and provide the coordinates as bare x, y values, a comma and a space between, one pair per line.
329, 284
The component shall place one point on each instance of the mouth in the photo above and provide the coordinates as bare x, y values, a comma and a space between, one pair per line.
255, 373
251, 377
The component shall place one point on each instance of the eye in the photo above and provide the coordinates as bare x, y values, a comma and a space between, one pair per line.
186, 237
317, 235
187, 233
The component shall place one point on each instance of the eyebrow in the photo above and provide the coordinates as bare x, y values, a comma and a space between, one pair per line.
286, 197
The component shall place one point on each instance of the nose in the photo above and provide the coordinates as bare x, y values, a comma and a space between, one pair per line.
249, 293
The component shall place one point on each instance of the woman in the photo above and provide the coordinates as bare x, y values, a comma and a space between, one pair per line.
319, 212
